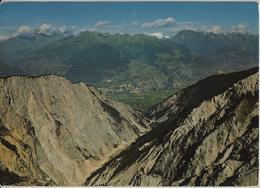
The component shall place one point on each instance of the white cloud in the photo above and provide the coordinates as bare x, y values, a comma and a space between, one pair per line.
159, 23
198, 27
62, 29
66, 30
21, 31
159, 35
6, 37
215, 29
49, 29
3, 37
240, 28
24, 29
101, 23
46, 29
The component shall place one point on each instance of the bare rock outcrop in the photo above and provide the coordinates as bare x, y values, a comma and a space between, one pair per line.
206, 134
56, 132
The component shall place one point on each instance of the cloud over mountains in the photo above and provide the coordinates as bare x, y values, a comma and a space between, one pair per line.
159, 23
159, 35
240, 28
101, 23
24, 29
160, 28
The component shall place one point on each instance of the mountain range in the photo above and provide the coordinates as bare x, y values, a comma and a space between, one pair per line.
130, 67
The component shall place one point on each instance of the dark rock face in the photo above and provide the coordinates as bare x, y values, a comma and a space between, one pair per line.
6, 177
206, 134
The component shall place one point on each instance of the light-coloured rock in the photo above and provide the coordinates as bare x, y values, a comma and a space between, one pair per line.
206, 134
53, 130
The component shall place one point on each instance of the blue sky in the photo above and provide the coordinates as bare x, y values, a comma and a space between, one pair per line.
161, 18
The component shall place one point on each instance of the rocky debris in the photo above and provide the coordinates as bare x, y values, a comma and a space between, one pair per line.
206, 134
53, 132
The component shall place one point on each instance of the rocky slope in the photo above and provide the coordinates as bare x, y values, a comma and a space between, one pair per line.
55, 132
206, 134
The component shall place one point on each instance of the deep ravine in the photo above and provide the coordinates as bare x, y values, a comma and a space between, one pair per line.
206, 134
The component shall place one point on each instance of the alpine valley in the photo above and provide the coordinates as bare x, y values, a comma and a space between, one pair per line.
138, 70
129, 110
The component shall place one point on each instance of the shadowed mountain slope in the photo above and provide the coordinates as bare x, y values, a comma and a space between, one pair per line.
206, 134
7, 70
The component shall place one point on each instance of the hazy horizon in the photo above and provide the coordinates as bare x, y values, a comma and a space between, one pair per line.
160, 19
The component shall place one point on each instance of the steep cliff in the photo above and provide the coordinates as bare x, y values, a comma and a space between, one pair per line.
206, 134
56, 132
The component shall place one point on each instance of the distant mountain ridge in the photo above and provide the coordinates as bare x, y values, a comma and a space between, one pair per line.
139, 64
8, 70
22, 45
83, 57
220, 46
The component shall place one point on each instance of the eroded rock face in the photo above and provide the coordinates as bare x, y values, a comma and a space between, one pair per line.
207, 134
56, 132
